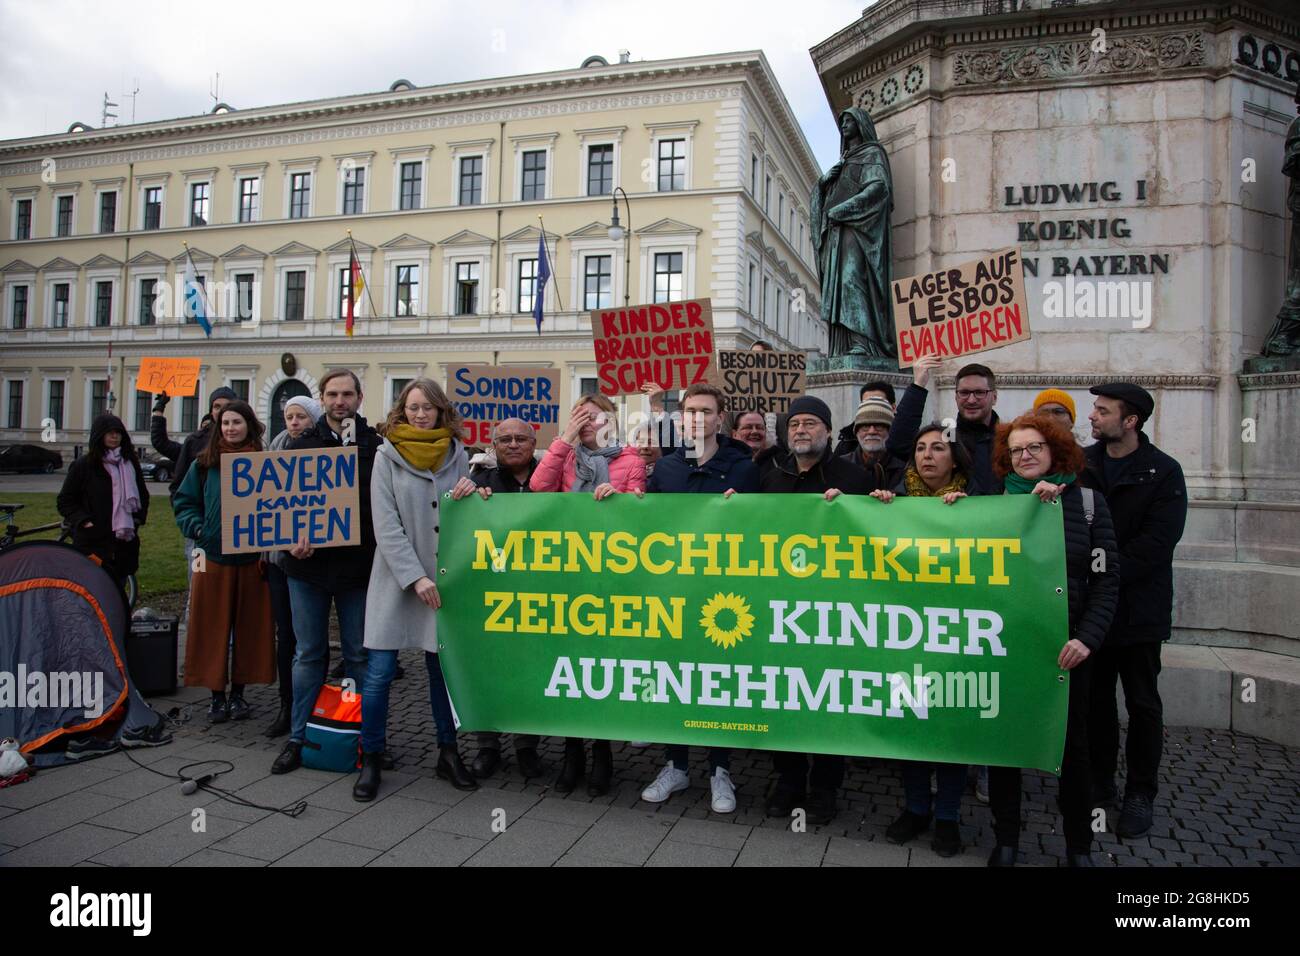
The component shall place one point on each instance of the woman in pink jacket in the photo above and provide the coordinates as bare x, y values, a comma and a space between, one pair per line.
588, 457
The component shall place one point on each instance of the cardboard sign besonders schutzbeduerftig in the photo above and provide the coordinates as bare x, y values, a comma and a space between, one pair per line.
754, 381
272, 499
964, 309
487, 394
669, 344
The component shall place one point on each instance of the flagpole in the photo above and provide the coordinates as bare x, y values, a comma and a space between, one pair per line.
374, 314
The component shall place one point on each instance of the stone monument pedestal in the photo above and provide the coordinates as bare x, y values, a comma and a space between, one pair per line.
838, 380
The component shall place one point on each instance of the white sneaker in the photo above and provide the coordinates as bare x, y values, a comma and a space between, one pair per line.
724, 792
670, 781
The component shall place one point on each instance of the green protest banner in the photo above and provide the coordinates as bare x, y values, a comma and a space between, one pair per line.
912, 630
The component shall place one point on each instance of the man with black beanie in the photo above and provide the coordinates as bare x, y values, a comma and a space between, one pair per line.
1147, 496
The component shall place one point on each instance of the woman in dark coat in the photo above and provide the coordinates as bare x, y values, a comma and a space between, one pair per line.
1036, 455
105, 501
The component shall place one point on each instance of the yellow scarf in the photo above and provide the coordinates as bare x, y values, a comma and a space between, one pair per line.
422, 448
917, 488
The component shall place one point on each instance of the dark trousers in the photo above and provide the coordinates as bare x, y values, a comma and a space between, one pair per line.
1137, 666
827, 771
1075, 783
285, 643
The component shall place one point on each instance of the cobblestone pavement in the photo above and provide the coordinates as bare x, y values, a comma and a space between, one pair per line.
1226, 799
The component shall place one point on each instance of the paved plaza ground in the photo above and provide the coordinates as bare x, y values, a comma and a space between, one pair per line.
1226, 799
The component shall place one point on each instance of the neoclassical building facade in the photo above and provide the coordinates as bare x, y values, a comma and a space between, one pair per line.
442, 192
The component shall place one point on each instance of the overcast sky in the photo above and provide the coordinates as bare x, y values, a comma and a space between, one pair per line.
62, 56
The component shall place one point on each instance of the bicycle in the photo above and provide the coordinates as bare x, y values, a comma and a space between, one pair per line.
12, 533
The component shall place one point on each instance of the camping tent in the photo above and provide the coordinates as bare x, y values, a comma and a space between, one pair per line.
63, 674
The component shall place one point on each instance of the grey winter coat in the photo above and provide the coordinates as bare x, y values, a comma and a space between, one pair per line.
405, 504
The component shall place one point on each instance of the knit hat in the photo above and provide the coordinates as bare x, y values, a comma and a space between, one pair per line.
223, 392
874, 411
308, 404
1049, 395
807, 405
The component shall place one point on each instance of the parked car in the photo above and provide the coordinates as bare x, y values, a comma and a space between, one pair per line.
155, 466
30, 458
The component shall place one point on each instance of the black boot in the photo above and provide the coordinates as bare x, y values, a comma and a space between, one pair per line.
367, 784
280, 726
602, 768
574, 767
452, 769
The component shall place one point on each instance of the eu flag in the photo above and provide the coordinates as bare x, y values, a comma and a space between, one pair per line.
543, 274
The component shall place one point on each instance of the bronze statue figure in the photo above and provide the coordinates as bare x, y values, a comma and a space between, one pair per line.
850, 230
1284, 338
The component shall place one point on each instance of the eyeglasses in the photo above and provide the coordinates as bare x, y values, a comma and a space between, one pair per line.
1034, 448
514, 439
804, 424
980, 393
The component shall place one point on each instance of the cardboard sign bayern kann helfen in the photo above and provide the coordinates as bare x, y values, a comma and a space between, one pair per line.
271, 500
960, 310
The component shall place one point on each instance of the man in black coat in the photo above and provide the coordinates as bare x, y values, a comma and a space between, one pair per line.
977, 393
808, 467
871, 427
183, 454
515, 443
1148, 504
338, 575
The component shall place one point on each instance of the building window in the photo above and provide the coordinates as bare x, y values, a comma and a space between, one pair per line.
108, 212
749, 290
240, 387
299, 195
762, 305
398, 385
20, 306
600, 170
143, 411
189, 414
412, 175
295, 295
249, 198
244, 296
408, 290
672, 165
62, 293
98, 397
103, 304
148, 295
527, 288
55, 411
753, 174
668, 277
23, 220
598, 292
15, 405
801, 252
354, 191
153, 207
200, 201
534, 184
471, 180
466, 288
780, 212
767, 193
63, 220
588, 386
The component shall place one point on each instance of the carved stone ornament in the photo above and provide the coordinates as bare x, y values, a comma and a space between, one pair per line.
1071, 58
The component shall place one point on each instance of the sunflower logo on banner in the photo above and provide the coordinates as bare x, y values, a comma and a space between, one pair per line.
726, 620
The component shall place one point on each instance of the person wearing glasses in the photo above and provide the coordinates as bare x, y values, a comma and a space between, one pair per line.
515, 444
1057, 404
807, 466
977, 393
1037, 456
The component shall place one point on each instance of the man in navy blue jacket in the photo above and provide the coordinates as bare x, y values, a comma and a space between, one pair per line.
706, 464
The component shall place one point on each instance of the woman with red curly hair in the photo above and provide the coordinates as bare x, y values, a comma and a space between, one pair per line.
1036, 455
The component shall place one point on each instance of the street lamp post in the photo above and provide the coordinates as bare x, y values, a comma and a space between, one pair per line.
617, 232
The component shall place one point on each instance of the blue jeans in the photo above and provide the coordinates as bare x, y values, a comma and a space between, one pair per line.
680, 755
916, 786
311, 623
381, 666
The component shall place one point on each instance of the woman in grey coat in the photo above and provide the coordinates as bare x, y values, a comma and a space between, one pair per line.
422, 459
